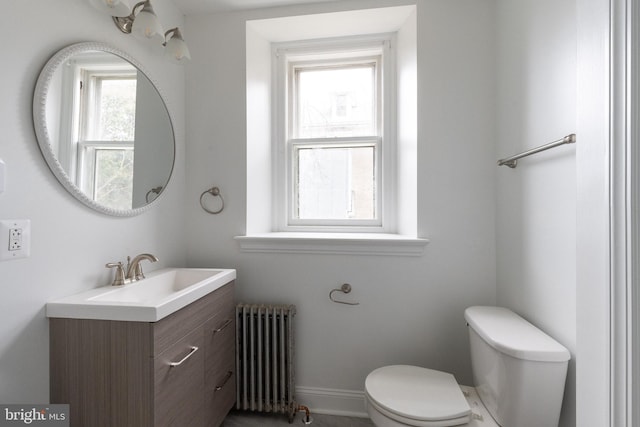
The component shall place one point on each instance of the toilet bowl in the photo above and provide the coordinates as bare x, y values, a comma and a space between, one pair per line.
402, 395
518, 371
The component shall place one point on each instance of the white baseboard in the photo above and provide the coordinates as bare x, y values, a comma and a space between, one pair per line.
332, 401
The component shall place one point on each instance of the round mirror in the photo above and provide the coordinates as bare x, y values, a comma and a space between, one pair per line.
103, 128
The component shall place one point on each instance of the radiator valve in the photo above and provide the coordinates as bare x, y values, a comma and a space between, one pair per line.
307, 414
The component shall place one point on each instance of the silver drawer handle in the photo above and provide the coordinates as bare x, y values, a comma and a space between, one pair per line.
224, 325
226, 379
193, 350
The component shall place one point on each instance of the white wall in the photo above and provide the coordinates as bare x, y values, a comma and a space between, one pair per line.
411, 308
407, 126
536, 202
598, 202
70, 243
154, 153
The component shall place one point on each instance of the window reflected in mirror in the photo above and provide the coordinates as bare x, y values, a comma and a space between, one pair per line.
98, 141
103, 128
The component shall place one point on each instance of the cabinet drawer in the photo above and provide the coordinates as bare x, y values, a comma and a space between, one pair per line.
219, 401
172, 328
219, 339
179, 383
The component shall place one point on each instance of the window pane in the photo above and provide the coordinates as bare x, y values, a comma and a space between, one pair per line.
336, 102
114, 178
116, 118
336, 183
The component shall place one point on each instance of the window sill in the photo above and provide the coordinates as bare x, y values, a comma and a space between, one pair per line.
333, 243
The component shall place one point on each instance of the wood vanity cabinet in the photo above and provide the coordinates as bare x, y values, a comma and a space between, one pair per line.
119, 374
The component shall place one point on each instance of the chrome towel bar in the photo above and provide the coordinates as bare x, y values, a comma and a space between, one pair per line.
512, 161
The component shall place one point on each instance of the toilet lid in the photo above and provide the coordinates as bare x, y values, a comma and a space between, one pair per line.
417, 393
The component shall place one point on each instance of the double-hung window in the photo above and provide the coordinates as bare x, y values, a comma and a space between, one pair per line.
106, 136
333, 136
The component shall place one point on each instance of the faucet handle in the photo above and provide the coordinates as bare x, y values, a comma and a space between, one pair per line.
118, 280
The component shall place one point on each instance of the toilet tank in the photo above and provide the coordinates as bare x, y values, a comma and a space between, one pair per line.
518, 371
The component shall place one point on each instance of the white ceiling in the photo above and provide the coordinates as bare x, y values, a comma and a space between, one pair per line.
193, 7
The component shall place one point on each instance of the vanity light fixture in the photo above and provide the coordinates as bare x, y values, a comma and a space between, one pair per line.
143, 24
146, 24
175, 49
142, 21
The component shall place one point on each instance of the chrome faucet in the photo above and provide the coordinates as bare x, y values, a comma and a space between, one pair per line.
134, 270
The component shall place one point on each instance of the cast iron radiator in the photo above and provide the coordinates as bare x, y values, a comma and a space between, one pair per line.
264, 359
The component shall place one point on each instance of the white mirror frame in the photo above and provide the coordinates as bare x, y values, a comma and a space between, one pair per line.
40, 124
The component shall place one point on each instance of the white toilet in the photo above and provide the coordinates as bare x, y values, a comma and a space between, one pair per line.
518, 372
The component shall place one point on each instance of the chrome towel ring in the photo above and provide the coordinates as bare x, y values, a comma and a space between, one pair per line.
215, 192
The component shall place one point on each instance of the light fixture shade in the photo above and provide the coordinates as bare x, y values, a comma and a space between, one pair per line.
175, 49
112, 7
146, 24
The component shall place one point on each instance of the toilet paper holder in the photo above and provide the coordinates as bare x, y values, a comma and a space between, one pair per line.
345, 289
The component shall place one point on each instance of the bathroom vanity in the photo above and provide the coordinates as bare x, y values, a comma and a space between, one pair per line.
176, 371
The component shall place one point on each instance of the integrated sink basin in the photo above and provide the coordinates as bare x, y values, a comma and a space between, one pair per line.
160, 294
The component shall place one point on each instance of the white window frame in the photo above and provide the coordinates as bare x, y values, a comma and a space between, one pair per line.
87, 166
86, 148
363, 49
91, 93
75, 151
293, 147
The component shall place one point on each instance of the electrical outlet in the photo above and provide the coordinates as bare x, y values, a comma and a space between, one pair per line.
15, 239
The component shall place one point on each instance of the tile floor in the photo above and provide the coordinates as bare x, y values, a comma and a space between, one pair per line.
248, 419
